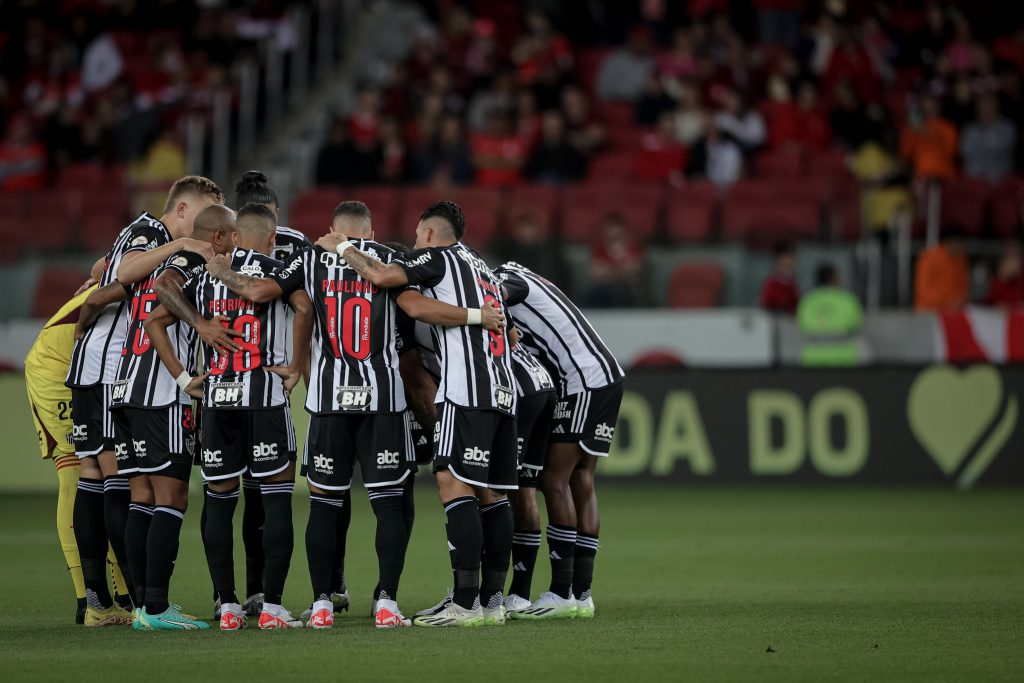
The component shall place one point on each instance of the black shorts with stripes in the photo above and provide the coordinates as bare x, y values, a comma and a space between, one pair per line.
258, 441
533, 423
154, 441
93, 431
588, 418
380, 442
478, 446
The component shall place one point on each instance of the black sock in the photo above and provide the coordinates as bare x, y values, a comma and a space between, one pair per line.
525, 545
91, 537
117, 497
161, 552
253, 517
202, 535
338, 565
465, 544
391, 539
496, 522
409, 506
219, 535
321, 538
583, 565
135, 532
561, 547
278, 538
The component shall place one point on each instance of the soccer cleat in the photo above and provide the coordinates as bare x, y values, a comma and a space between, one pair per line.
275, 616
549, 606
232, 617
515, 604
115, 615
321, 614
216, 609
494, 616
253, 605
389, 616
436, 608
585, 606
139, 622
453, 615
172, 619
340, 601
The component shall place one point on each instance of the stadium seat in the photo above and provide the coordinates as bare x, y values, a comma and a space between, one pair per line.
690, 212
695, 285
383, 202
50, 219
965, 203
539, 200
783, 163
53, 288
615, 114
764, 211
99, 228
82, 177
1008, 207
827, 164
612, 166
318, 199
585, 207
588, 63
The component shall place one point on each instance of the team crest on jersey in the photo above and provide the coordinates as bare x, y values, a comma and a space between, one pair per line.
252, 270
355, 397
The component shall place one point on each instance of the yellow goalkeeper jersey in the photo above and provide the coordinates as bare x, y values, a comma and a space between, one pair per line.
50, 355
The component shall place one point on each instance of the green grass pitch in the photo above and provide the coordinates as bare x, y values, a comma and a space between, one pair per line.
692, 584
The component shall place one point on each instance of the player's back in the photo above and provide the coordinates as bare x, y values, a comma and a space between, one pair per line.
98, 352
557, 331
50, 354
288, 242
354, 355
239, 379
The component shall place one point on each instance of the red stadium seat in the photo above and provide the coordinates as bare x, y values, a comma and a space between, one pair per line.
53, 288
481, 222
612, 166
625, 136
98, 229
827, 164
783, 163
615, 114
321, 199
965, 203
588, 63
539, 200
764, 211
585, 206
50, 218
83, 177
382, 200
690, 212
695, 285
1008, 208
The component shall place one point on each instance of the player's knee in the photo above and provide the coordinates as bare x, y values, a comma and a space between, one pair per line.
223, 485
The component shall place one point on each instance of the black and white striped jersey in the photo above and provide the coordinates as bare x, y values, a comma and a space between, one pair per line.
97, 354
476, 370
354, 354
288, 242
142, 380
531, 377
557, 332
239, 379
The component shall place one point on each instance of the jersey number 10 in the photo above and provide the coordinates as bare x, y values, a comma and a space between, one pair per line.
354, 331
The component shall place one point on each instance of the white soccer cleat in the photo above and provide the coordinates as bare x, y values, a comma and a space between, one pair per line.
515, 604
387, 615
436, 608
253, 605
340, 601
321, 615
232, 617
275, 616
494, 612
585, 606
549, 606
452, 616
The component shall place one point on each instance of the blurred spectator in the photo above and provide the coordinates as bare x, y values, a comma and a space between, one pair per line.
364, 119
797, 124
499, 97
779, 292
102, 63
616, 266
623, 74
527, 118
541, 53
942, 280
661, 155
22, 157
690, 118
652, 103
928, 141
989, 142
163, 163
498, 154
392, 151
679, 62
778, 21
339, 162
884, 185
849, 60
829, 318
528, 244
850, 121
1007, 286
584, 132
742, 123
553, 159
717, 157
446, 157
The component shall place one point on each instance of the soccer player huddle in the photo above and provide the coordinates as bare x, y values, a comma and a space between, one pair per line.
182, 359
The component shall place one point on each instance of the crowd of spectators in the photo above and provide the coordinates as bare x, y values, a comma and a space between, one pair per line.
108, 81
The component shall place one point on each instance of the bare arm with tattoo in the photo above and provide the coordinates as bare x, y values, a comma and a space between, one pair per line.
386, 275
260, 290
212, 332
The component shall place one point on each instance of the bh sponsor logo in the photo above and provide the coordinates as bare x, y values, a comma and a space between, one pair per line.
118, 392
226, 394
477, 456
354, 397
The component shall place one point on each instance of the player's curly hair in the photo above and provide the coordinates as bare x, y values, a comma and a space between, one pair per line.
195, 185
254, 188
451, 212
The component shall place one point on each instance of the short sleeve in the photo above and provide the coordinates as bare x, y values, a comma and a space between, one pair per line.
424, 267
183, 263
290, 277
405, 329
516, 288
146, 237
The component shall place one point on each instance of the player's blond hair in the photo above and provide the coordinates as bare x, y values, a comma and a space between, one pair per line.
195, 185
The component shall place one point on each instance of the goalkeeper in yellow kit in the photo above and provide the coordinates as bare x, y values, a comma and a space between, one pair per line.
46, 368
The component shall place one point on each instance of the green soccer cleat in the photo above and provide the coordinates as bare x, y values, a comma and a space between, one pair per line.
548, 606
139, 622
585, 606
452, 616
172, 619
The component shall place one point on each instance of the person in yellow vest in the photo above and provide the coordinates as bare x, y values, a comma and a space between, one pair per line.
46, 368
830, 319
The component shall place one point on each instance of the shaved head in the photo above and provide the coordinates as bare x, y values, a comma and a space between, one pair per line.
211, 219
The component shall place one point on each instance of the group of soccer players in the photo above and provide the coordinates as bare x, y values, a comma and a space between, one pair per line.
393, 344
